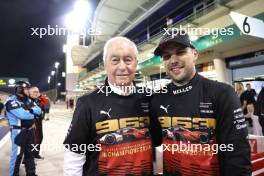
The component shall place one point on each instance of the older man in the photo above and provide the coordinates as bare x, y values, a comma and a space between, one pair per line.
204, 130
34, 95
110, 125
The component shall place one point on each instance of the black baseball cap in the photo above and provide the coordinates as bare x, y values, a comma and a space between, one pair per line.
177, 36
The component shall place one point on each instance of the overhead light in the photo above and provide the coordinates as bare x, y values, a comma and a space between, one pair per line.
81, 6
77, 19
56, 64
52, 73
59, 84
63, 74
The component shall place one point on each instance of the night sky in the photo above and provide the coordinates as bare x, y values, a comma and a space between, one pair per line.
23, 55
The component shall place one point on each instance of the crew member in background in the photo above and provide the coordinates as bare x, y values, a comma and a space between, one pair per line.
250, 95
38, 131
196, 111
21, 114
46, 105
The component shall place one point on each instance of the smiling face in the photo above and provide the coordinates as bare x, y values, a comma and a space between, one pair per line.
120, 63
179, 62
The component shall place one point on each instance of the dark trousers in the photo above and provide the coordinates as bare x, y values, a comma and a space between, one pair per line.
38, 136
26, 153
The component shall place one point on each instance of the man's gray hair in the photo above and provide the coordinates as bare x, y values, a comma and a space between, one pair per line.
106, 46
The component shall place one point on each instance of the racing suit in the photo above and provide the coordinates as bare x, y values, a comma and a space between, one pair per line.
21, 116
203, 129
118, 128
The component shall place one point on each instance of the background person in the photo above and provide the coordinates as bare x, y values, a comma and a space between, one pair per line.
239, 88
250, 95
38, 131
67, 103
47, 110
255, 129
240, 91
21, 114
45, 105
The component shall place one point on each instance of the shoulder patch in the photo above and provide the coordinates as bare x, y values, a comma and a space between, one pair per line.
14, 104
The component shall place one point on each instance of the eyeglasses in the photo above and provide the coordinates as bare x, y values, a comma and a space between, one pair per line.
177, 52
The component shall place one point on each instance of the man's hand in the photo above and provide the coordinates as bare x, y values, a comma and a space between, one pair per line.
34, 126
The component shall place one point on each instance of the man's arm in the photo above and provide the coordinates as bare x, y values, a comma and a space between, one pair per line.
231, 129
73, 163
16, 109
78, 134
155, 127
36, 110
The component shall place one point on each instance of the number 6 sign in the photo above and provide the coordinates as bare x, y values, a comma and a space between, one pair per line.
248, 25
